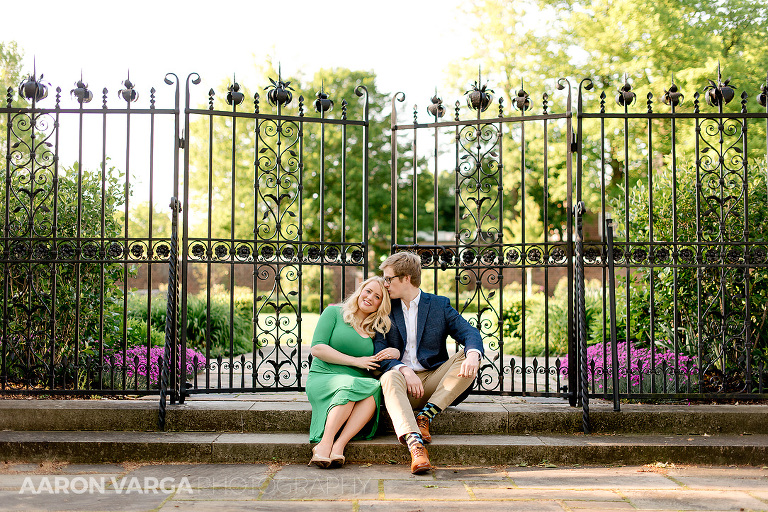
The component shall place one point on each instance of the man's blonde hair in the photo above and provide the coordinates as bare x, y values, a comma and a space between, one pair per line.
378, 321
405, 264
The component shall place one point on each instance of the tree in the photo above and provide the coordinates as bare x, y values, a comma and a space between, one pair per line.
235, 178
139, 220
70, 307
644, 43
10, 75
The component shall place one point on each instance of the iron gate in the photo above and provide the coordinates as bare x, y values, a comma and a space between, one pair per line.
474, 241
274, 238
686, 237
67, 248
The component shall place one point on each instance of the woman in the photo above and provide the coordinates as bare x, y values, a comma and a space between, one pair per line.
344, 396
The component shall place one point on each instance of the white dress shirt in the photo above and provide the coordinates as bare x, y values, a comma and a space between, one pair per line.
411, 315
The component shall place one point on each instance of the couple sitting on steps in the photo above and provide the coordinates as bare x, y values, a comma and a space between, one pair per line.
388, 324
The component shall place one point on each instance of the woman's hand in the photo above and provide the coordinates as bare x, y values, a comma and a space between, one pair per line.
387, 353
367, 363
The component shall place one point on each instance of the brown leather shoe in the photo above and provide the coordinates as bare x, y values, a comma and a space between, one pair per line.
419, 460
423, 423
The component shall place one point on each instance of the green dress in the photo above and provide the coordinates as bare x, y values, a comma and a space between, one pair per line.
329, 385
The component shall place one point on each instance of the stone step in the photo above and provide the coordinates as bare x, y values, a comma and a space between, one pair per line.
286, 416
213, 447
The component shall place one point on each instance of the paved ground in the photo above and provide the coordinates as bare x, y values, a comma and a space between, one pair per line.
233, 487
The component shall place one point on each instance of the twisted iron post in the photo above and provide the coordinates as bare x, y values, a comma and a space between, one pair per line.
581, 317
171, 312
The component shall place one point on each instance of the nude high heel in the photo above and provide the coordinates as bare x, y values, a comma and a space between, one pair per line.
337, 460
321, 462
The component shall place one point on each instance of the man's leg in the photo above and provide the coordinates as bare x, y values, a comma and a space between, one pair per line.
443, 386
398, 405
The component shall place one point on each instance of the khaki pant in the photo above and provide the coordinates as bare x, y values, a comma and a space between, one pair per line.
441, 387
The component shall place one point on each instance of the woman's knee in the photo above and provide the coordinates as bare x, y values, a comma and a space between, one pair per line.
366, 403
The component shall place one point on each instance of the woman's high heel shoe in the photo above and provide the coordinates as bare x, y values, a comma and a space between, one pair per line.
321, 462
337, 460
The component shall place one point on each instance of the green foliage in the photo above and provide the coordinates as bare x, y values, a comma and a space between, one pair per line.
92, 297
199, 332
546, 319
10, 76
156, 310
84, 292
137, 312
139, 220
690, 289
209, 324
139, 336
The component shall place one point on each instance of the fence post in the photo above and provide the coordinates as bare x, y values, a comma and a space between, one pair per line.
612, 305
581, 316
171, 324
172, 306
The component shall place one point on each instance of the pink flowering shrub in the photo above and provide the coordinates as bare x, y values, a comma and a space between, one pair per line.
640, 368
137, 368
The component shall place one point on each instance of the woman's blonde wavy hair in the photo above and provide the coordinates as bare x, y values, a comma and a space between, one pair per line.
378, 321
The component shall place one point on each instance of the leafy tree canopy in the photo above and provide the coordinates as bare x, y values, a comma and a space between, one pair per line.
329, 156
533, 43
10, 74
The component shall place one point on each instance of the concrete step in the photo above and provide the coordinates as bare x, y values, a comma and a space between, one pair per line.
213, 447
293, 416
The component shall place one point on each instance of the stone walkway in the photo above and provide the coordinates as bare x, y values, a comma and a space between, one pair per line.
356, 487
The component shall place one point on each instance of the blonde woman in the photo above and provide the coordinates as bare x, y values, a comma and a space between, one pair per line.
345, 397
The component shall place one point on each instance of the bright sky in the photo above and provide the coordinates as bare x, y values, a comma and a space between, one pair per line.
408, 43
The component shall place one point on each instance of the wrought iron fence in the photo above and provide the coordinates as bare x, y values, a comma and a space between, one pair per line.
285, 252
256, 239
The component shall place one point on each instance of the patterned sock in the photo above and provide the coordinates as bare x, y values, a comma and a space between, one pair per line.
430, 411
412, 438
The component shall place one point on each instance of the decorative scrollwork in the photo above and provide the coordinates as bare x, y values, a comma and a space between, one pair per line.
512, 257
534, 255
198, 250
137, 250
558, 255
114, 250
640, 255
332, 254
687, 255
243, 252
278, 167
162, 250
592, 254
478, 171
660, 255
221, 251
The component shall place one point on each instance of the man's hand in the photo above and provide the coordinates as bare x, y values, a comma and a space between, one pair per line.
413, 384
470, 366
387, 353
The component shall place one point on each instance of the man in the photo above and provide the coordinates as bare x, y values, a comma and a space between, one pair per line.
425, 380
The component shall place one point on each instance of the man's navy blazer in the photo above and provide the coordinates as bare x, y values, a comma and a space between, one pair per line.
436, 321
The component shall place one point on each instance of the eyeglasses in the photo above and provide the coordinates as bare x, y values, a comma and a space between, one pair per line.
388, 280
